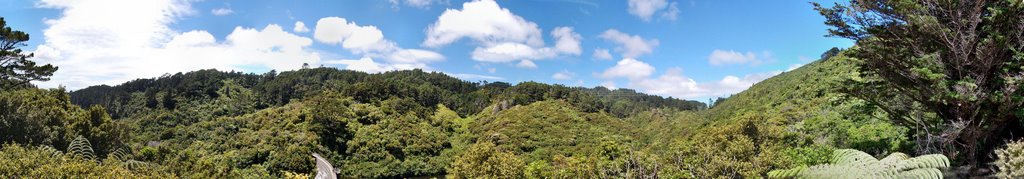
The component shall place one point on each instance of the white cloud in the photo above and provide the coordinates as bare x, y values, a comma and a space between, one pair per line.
603, 54
526, 64
221, 11
722, 57
423, 4
414, 56
609, 84
351, 36
300, 27
465, 76
94, 45
500, 35
630, 46
370, 42
368, 65
563, 75
507, 52
645, 9
567, 41
674, 83
628, 68
672, 13
485, 22
794, 66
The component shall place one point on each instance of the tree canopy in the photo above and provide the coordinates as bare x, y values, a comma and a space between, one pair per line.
16, 68
951, 70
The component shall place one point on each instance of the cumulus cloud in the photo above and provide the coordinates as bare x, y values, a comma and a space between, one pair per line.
602, 54
526, 64
414, 56
563, 75
300, 27
367, 64
508, 52
723, 57
485, 22
567, 41
674, 83
351, 36
794, 66
93, 45
628, 68
371, 43
466, 76
631, 46
221, 11
609, 84
501, 36
645, 9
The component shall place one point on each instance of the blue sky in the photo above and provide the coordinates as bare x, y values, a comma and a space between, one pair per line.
693, 49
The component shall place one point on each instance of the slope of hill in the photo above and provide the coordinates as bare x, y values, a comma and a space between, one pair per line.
413, 123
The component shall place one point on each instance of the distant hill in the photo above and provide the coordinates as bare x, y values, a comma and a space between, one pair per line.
426, 88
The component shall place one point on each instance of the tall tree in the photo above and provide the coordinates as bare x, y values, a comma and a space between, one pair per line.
15, 67
951, 70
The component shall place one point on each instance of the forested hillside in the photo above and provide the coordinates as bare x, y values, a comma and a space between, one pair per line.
931, 89
412, 123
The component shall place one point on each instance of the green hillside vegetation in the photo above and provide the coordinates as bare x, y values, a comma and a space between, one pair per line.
399, 124
858, 112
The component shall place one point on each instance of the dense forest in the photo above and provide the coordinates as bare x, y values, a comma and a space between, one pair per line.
930, 90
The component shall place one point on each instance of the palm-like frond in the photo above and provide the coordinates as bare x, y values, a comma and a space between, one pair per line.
81, 147
122, 154
850, 163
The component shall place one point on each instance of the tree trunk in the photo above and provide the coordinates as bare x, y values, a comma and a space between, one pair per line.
976, 144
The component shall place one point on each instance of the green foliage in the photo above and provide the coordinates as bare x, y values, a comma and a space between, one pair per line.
748, 148
1010, 162
485, 160
16, 70
18, 161
545, 129
955, 94
404, 124
850, 163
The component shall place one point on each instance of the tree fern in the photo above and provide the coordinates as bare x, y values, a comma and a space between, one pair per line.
81, 147
849, 163
53, 152
1011, 160
121, 154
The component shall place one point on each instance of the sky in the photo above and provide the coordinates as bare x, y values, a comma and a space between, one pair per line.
689, 49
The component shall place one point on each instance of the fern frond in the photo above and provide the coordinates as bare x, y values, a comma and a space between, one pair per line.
53, 152
81, 147
894, 157
122, 154
850, 156
137, 165
921, 173
787, 173
849, 163
924, 161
